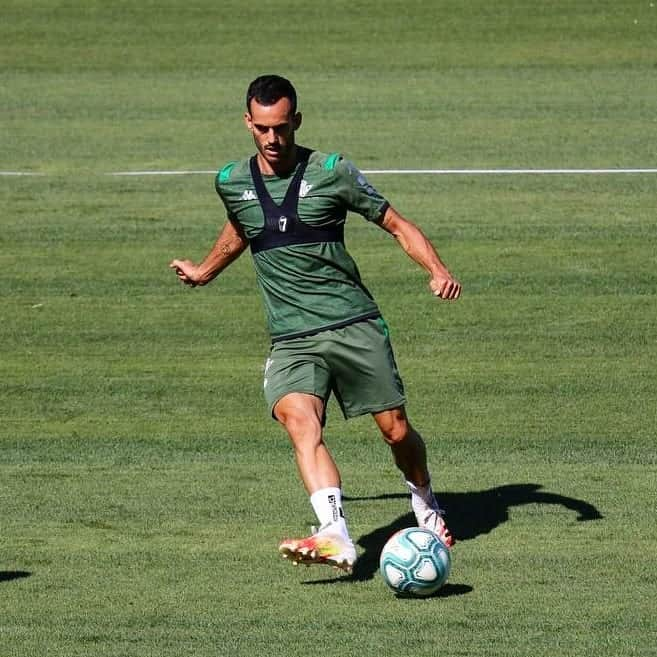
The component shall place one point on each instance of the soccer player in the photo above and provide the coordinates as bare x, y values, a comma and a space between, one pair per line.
288, 204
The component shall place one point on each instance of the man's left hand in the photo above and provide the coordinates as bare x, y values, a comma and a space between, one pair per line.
445, 287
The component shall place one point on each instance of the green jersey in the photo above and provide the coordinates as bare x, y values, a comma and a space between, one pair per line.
314, 285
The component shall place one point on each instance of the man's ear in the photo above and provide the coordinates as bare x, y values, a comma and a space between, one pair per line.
296, 121
248, 120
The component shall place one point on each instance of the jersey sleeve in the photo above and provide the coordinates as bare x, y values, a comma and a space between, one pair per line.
222, 177
357, 193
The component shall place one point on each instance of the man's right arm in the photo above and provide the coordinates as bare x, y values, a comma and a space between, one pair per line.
230, 244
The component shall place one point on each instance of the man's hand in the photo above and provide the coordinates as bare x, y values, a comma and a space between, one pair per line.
445, 287
230, 244
186, 271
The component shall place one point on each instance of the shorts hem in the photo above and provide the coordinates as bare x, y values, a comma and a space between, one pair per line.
292, 392
378, 408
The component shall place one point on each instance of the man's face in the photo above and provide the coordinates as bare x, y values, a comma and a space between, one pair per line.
272, 127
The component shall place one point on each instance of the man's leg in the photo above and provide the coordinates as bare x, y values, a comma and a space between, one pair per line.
301, 415
406, 444
410, 454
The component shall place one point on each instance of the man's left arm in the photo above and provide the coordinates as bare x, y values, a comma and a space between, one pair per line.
420, 249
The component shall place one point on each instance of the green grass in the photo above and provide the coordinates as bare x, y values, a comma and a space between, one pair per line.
143, 487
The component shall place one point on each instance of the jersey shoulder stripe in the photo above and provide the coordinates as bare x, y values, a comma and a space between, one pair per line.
331, 161
224, 175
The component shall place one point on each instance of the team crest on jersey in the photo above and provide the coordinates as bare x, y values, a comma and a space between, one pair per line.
364, 183
362, 180
304, 189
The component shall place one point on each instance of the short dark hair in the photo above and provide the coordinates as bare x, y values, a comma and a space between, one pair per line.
269, 89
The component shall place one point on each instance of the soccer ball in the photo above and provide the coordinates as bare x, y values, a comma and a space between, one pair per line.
415, 562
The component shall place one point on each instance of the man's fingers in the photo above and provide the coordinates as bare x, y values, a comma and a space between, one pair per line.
180, 272
448, 289
452, 291
179, 266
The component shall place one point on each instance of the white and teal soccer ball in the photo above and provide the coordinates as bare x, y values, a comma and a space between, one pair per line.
415, 562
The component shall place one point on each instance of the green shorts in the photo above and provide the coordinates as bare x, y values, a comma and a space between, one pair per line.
355, 363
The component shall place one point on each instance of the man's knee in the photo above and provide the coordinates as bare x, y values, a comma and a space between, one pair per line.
395, 427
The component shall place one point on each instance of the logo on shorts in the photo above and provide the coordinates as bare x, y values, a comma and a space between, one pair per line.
268, 364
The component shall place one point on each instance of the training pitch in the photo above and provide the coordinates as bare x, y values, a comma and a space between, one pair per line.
143, 487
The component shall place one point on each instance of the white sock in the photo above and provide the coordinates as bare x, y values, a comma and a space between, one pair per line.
327, 504
422, 497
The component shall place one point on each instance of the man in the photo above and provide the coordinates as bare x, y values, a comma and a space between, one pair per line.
289, 204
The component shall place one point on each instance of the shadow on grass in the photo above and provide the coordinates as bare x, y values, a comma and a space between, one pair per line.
446, 591
9, 575
469, 515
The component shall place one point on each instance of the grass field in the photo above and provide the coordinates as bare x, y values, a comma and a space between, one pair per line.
143, 488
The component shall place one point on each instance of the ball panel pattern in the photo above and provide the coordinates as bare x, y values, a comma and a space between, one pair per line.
415, 562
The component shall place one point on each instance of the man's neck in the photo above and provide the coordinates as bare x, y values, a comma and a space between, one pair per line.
280, 169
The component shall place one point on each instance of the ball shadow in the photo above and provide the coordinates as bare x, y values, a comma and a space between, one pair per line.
446, 591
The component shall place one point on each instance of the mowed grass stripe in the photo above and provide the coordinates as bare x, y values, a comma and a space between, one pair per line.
144, 486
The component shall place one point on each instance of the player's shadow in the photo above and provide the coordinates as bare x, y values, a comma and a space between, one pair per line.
9, 575
468, 515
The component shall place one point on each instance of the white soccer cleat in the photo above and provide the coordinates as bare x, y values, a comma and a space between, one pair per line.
432, 519
323, 547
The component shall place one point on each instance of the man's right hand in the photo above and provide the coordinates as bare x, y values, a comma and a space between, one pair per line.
186, 271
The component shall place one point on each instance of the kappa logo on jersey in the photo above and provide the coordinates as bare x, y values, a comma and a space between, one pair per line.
304, 189
248, 195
